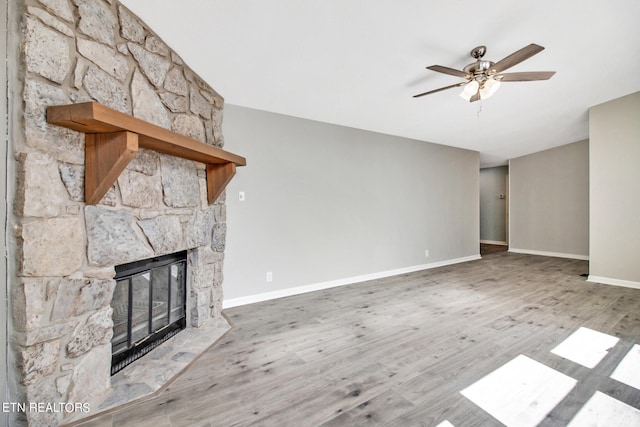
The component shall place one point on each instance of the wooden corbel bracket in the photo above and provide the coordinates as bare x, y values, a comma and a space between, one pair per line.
112, 139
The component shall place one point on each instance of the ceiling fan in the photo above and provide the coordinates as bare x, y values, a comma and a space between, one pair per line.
483, 78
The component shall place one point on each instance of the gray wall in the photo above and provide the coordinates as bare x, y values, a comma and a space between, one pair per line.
549, 202
614, 129
493, 209
325, 203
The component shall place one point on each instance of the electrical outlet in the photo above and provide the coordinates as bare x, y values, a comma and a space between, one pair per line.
426, 253
269, 276
241, 196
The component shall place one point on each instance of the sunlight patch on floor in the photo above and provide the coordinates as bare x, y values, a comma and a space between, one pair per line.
605, 411
521, 392
628, 371
586, 347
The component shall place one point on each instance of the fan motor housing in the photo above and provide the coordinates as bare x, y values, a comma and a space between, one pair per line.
478, 67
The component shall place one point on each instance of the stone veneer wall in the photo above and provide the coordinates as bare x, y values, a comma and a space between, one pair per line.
83, 50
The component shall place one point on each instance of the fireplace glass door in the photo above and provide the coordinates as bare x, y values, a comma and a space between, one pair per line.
148, 306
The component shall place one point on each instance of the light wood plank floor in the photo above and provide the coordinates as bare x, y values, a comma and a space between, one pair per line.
398, 351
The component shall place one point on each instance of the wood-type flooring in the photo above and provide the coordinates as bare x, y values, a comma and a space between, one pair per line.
398, 351
490, 249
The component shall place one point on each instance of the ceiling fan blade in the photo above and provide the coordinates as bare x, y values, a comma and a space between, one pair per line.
447, 70
516, 57
525, 76
441, 89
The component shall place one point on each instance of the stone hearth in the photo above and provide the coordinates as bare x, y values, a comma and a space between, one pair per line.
96, 50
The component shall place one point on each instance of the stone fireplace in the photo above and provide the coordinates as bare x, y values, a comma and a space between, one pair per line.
67, 250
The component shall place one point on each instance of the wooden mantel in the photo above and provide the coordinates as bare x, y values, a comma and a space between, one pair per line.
112, 139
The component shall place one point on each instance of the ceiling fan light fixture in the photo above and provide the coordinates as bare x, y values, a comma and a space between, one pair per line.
489, 87
469, 90
483, 78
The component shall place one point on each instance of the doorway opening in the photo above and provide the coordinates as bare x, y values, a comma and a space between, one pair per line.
494, 209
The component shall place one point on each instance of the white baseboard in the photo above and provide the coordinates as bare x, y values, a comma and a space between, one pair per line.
281, 293
614, 282
494, 242
545, 253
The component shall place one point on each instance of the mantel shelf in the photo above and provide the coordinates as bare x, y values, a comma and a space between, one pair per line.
112, 139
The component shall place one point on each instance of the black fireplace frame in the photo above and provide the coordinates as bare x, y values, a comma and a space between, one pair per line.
154, 338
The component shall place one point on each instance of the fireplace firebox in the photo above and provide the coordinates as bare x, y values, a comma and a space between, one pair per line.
149, 306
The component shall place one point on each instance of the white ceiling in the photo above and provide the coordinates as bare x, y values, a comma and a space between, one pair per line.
357, 63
